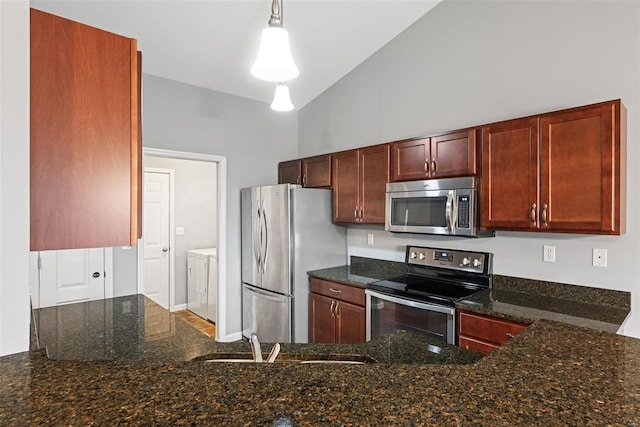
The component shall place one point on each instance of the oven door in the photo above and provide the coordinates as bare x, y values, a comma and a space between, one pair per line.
387, 313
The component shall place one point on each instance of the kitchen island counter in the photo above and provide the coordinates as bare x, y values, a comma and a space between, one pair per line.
551, 374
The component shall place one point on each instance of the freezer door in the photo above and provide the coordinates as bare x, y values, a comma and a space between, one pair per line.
250, 229
267, 314
276, 239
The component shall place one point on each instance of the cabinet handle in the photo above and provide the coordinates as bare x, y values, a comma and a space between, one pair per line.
426, 166
544, 215
298, 180
304, 180
331, 309
510, 335
355, 213
533, 213
434, 166
336, 309
360, 213
337, 291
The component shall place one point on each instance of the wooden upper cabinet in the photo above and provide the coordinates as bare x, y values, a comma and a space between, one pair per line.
345, 187
84, 136
359, 184
443, 156
312, 172
560, 172
509, 184
581, 183
290, 172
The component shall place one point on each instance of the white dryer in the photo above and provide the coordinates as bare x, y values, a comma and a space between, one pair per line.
202, 282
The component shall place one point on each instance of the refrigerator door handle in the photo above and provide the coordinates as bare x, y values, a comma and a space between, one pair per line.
270, 296
265, 248
257, 238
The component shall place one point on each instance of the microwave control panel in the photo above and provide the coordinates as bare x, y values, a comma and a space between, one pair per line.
464, 211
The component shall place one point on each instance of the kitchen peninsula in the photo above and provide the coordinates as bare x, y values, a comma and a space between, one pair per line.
551, 374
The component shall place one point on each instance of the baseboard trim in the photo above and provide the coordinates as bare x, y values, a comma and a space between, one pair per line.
179, 307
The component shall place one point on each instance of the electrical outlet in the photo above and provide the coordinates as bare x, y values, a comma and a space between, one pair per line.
549, 253
370, 238
599, 257
179, 231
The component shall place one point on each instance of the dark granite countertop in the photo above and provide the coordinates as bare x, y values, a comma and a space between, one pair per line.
526, 301
361, 272
551, 374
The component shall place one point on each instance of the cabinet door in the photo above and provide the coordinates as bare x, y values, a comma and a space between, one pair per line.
580, 170
350, 323
453, 154
316, 171
323, 324
374, 175
509, 196
84, 136
345, 187
409, 159
290, 172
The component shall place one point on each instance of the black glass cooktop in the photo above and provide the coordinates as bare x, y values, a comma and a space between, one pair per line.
425, 289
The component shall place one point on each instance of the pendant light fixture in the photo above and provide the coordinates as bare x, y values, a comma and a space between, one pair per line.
275, 62
282, 99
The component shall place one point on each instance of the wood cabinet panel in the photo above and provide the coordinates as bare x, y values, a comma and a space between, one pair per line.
374, 175
454, 154
509, 175
345, 187
337, 312
84, 136
350, 323
290, 172
484, 333
563, 171
580, 156
409, 159
316, 171
347, 293
323, 325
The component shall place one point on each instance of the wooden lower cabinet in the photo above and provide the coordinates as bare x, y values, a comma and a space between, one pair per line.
483, 334
336, 320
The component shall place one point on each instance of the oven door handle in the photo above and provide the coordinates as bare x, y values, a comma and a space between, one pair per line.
410, 303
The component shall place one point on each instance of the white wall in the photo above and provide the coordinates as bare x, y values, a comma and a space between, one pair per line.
14, 176
253, 138
195, 210
471, 62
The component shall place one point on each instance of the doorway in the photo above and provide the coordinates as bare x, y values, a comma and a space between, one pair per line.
181, 234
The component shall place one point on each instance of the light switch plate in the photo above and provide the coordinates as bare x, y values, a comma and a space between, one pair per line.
370, 238
179, 231
599, 257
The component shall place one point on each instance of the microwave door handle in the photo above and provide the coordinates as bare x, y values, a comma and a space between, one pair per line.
449, 211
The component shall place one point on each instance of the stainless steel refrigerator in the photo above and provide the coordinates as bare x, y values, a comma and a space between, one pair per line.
286, 231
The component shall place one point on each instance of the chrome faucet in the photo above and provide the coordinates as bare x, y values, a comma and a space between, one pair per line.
256, 350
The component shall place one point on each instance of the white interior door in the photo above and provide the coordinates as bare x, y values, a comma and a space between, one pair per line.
70, 276
156, 217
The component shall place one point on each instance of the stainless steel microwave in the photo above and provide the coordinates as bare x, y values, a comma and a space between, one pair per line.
446, 206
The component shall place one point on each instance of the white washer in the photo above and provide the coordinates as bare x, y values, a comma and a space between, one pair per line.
202, 282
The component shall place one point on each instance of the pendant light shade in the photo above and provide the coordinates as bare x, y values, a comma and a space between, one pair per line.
275, 62
282, 99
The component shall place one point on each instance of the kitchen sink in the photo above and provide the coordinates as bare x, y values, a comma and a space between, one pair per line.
344, 359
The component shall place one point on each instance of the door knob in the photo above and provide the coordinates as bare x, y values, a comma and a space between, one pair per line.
165, 249
96, 275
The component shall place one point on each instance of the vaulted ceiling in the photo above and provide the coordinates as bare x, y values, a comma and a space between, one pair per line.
213, 43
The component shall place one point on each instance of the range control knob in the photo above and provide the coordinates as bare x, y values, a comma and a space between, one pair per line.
413, 255
422, 256
465, 262
477, 262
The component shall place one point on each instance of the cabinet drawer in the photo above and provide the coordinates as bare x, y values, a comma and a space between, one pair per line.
338, 291
477, 346
489, 329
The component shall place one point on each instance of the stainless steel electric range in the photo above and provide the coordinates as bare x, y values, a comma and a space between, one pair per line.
423, 300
